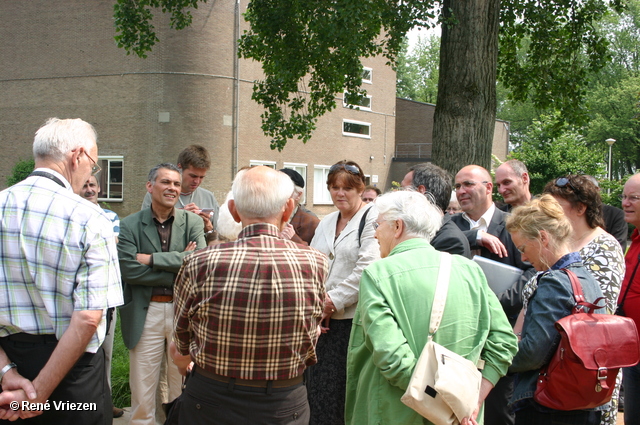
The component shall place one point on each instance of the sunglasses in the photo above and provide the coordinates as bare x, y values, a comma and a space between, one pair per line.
352, 169
566, 181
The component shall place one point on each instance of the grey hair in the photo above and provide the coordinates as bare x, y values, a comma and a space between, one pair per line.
435, 180
226, 226
518, 167
153, 173
56, 138
420, 216
261, 197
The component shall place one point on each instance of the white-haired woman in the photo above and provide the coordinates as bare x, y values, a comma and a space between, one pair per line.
391, 324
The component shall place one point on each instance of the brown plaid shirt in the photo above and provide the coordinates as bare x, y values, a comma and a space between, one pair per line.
250, 309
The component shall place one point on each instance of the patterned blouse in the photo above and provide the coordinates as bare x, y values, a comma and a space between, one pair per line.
604, 258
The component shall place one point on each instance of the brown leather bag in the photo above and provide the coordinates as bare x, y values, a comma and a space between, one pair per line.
593, 347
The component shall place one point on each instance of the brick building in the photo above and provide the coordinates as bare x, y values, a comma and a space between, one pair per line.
60, 59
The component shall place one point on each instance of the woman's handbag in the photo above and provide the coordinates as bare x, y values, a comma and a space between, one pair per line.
593, 347
444, 386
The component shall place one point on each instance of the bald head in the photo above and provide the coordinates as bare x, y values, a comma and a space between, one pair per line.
512, 181
473, 190
630, 206
261, 194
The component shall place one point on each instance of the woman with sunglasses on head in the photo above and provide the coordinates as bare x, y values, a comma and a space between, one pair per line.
601, 253
542, 233
347, 238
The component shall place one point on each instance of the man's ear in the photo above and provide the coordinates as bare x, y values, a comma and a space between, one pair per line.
75, 158
525, 178
288, 210
234, 212
149, 186
422, 189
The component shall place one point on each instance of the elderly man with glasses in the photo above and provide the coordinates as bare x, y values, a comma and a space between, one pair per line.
484, 226
59, 273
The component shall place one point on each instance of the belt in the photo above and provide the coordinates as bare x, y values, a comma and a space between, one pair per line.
162, 298
257, 383
161, 290
33, 339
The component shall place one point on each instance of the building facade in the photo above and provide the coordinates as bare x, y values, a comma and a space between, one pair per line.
60, 59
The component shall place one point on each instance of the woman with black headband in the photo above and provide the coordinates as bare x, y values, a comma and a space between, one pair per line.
347, 238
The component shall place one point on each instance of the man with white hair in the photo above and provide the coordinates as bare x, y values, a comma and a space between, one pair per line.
59, 273
396, 295
248, 313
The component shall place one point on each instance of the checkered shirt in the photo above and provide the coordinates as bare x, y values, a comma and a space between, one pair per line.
57, 255
250, 309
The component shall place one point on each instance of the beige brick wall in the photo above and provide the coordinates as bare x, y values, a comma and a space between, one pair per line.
60, 59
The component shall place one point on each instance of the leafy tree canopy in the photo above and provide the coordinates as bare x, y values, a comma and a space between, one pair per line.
310, 50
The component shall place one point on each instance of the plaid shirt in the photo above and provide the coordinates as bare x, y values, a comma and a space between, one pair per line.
57, 255
250, 309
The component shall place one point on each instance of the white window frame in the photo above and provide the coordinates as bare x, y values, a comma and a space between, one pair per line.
370, 79
106, 172
302, 169
321, 195
256, 162
354, 106
362, 136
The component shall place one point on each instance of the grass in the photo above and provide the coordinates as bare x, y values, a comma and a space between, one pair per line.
120, 392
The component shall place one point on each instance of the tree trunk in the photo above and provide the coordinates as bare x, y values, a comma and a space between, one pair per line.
465, 112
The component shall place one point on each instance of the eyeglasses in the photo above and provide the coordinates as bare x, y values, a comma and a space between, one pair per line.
564, 181
96, 168
347, 167
468, 184
521, 249
630, 198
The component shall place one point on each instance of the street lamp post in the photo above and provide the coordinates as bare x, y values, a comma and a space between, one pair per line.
610, 142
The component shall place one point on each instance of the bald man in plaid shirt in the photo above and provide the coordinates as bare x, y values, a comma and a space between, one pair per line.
247, 314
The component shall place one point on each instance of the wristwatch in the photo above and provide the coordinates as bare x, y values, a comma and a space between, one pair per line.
6, 369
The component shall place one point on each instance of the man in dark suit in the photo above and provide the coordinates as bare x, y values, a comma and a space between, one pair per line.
484, 226
152, 244
434, 182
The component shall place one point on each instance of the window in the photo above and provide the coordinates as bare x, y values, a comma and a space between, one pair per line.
367, 75
255, 163
356, 129
110, 178
321, 194
302, 169
357, 102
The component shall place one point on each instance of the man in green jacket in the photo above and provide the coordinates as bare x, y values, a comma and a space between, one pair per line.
391, 324
152, 244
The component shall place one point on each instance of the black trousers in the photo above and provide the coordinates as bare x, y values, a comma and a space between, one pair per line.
496, 405
207, 401
86, 382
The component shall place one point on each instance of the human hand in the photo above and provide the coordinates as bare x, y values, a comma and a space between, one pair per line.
208, 226
192, 207
329, 309
287, 231
11, 403
144, 259
191, 246
493, 244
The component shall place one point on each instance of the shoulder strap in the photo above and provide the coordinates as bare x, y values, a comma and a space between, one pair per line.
363, 221
442, 287
581, 303
47, 175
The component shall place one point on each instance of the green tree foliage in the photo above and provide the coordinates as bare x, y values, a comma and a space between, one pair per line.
310, 50
21, 171
133, 21
417, 72
549, 153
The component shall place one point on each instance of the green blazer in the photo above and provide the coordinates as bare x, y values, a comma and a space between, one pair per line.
138, 234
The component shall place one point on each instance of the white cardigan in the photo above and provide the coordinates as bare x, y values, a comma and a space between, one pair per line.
347, 257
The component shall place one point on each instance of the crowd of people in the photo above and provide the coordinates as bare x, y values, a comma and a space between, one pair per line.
257, 311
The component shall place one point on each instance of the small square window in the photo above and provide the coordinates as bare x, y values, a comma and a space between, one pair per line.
111, 178
321, 194
357, 102
367, 75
